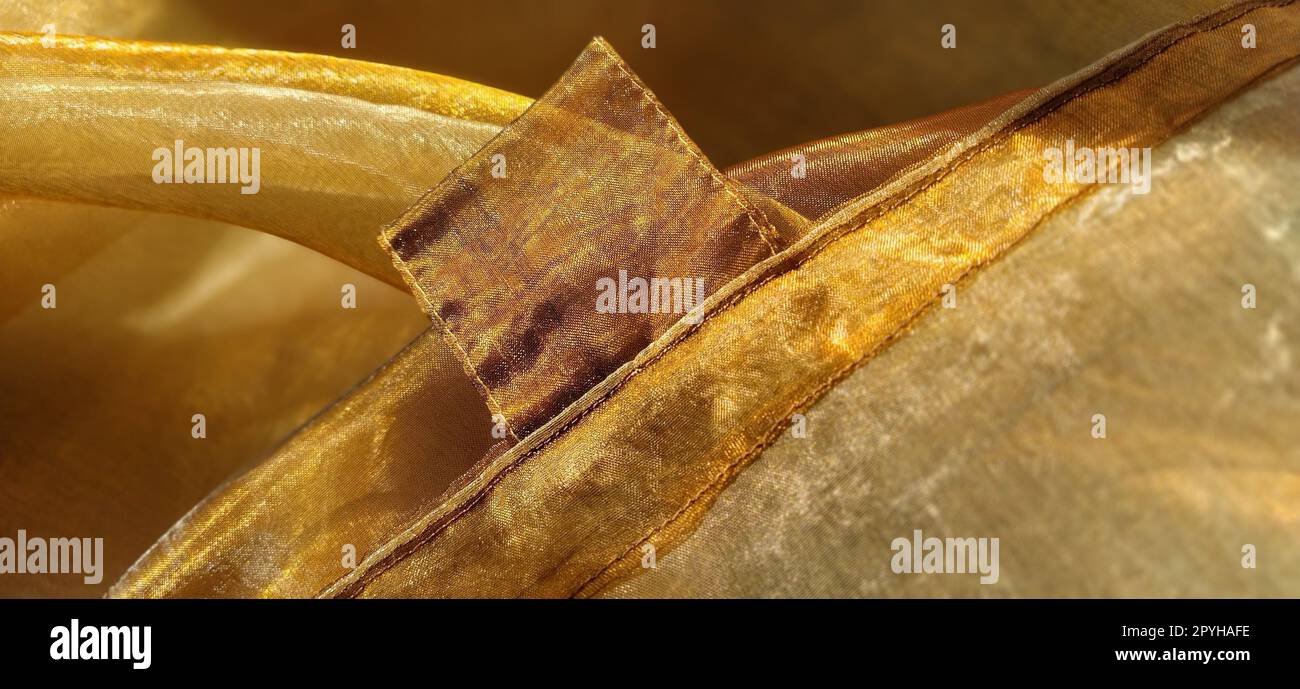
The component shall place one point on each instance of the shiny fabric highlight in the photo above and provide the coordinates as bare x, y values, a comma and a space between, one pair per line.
594, 184
849, 289
361, 429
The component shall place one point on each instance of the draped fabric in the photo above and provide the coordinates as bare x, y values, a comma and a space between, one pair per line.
908, 327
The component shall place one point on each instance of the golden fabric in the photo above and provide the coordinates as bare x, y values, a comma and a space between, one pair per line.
329, 436
336, 165
503, 253
364, 468
567, 509
161, 317
978, 421
98, 393
842, 168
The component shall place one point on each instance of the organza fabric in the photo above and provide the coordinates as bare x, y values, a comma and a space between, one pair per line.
354, 452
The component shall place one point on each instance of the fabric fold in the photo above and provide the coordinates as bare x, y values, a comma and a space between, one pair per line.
573, 239
630, 469
814, 178
332, 148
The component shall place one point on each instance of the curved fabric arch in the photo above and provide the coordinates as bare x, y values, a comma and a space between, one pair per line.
344, 145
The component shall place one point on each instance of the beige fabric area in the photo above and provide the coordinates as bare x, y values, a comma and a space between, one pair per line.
977, 423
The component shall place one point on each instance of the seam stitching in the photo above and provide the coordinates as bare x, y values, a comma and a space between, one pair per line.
448, 335
898, 332
747, 209
808, 399
432, 530
751, 211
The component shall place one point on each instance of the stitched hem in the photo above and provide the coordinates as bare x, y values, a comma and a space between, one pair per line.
754, 213
658, 119
493, 406
732, 469
422, 533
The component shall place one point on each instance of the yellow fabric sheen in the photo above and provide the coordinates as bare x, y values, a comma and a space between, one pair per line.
567, 508
113, 59
597, 153
804, 71
161, 316
842, 168
311, 521
978, 423
334, 166
239, 543
350, 479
